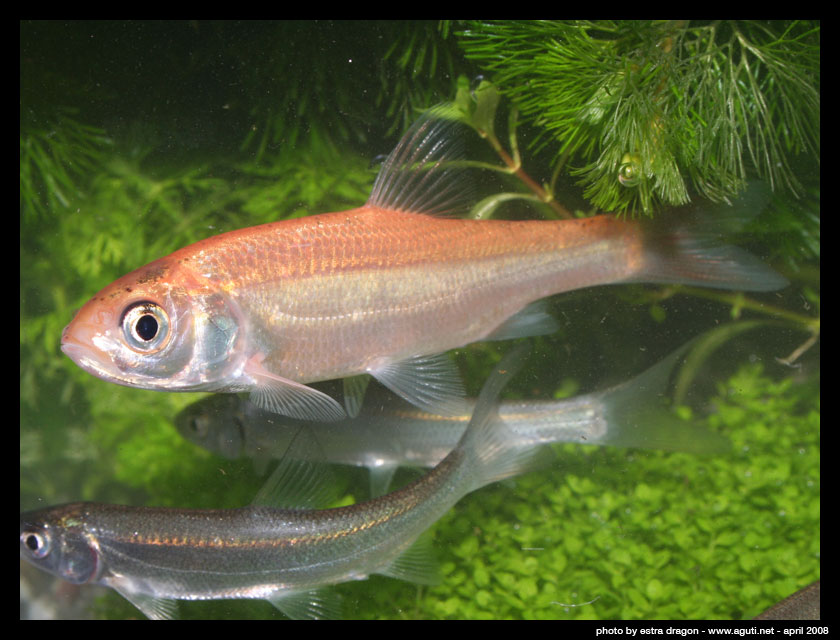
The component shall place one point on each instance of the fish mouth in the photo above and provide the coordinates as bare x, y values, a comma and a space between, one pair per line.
78, 342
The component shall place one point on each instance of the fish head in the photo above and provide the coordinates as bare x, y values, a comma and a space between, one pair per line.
216, 423
160, 327
55, 540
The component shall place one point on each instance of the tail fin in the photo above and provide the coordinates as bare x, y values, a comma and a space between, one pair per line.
636, 415
693, 254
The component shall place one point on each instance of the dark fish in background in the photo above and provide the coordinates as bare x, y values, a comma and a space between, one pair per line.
389, 433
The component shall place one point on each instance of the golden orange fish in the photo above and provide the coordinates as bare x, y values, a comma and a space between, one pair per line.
384, 290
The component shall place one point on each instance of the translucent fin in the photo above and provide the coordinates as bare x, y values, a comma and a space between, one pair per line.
693, 254
429, 382
637, 414
731, 217
318, 604
302, 479
488, 438
380, 479
153, 608
289, 398
697, 260
418, 176
354, 393
417, 563
531, 321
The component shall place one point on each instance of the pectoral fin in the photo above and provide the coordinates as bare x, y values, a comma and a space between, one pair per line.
302, 478
153, 608
289, 398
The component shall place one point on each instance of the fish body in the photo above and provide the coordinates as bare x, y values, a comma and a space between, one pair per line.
385, 289
389, 433
802, 605
154, 556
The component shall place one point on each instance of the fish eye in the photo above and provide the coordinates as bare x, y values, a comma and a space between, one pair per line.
145, 326
37, 543
198, 426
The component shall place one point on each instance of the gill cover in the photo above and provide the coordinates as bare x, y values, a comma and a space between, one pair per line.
188, 340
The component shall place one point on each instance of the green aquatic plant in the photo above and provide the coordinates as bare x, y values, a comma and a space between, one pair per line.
418, 70
316, 179
56, 153
407, 66
646, 108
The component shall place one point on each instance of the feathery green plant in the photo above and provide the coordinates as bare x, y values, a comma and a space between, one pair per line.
406, 67
646, 108
55, 154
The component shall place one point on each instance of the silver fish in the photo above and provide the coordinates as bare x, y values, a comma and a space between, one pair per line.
389, 433
155, 556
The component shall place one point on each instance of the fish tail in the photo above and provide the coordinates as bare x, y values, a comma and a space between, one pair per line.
637, 415
692, 253
695, 260
487, 441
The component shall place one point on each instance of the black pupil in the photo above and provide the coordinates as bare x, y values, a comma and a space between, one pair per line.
146, 327
32, 542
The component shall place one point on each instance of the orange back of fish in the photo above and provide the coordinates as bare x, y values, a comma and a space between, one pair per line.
340, 292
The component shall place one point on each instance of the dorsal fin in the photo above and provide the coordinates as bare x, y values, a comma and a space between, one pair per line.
421, 174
